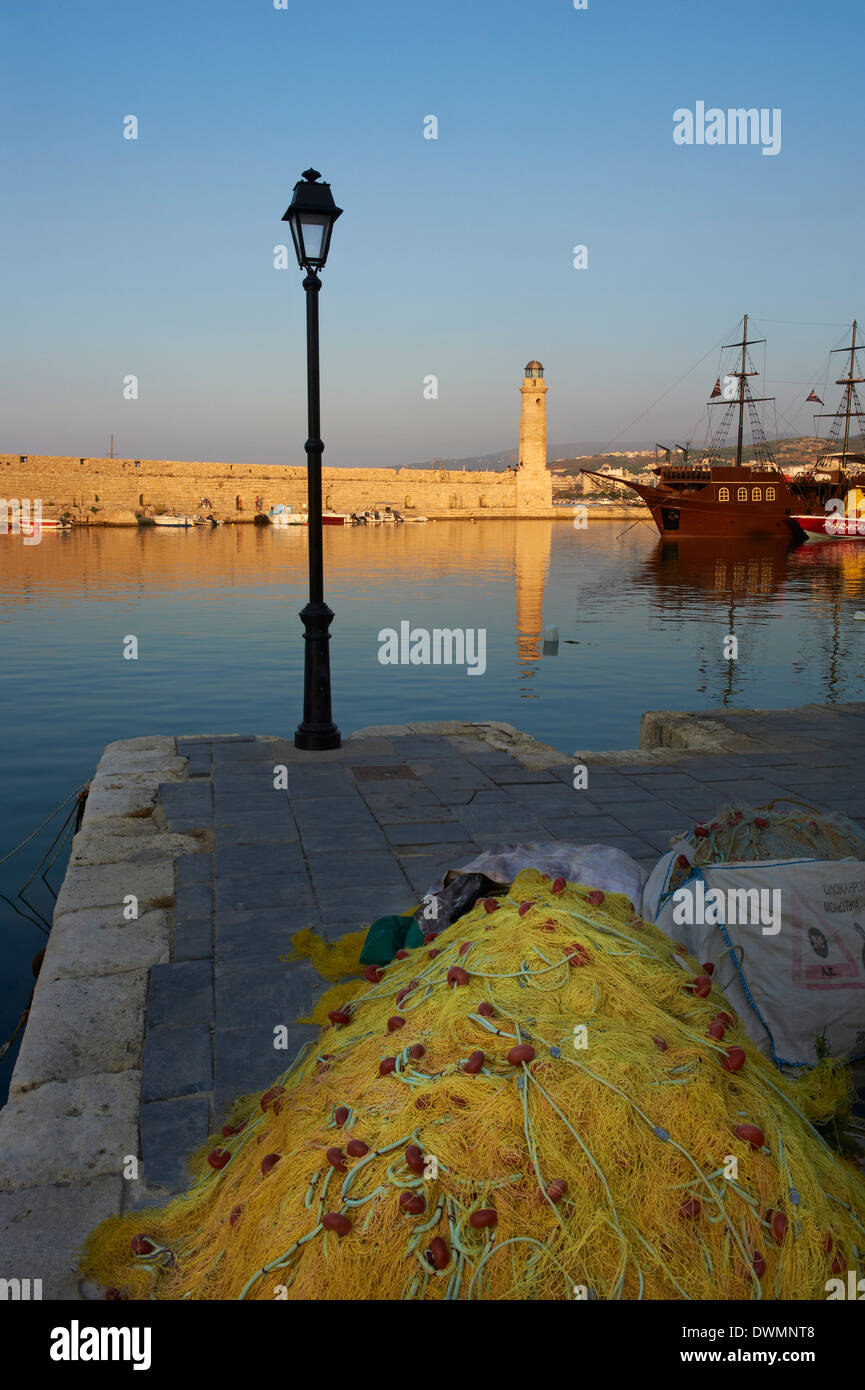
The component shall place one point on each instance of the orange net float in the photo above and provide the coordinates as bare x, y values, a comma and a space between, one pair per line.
734, 1060
437, 1253
414, 1159
474, 1063
412, 1203
751, 1135
484, 1218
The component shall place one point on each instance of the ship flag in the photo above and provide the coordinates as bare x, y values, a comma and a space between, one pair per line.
814, 397
716, 389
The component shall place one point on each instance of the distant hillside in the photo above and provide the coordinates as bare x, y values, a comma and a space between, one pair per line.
570, 458
495, 462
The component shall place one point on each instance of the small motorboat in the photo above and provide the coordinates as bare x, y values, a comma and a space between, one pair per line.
335, 519
174, 521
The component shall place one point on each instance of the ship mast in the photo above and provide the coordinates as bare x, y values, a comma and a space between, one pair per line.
851, 403
741, 375
745, 398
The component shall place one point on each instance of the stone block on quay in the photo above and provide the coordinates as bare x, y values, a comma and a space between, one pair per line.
247, 939
363, 904
68, 1131
343, 840
81, 1026
107, 885
249, 892
193, 900
194, 868
231, 859
428, 832
42, 1231
127, 840
171, 1132
264, 995
245, 1060
177, 1062
99, 941
193, 939
180, 993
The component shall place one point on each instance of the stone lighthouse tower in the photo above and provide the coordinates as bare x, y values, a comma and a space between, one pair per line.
534, 484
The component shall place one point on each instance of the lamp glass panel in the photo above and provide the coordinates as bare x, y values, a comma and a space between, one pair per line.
313, 230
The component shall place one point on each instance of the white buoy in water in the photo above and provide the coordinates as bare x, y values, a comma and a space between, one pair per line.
551, 634
860, 615
551, 641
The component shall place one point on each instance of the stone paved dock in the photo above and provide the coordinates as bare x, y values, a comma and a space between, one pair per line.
143, 1031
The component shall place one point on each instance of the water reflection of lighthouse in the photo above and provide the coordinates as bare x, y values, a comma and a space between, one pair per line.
531, 561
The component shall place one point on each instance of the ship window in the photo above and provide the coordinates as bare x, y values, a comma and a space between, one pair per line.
770, 494
724, 494
742, 494
756, 494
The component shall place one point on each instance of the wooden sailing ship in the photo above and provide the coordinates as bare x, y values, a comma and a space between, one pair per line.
734, 500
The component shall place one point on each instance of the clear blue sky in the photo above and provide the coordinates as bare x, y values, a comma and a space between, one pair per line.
453, 257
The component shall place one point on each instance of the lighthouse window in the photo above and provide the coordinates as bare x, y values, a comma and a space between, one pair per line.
770, 494
742, 494
724, 494
756, 494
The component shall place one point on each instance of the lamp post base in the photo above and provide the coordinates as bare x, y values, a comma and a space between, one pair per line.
316, 732
317, 739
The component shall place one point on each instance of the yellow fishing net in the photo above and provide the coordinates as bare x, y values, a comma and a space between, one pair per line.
637, 1145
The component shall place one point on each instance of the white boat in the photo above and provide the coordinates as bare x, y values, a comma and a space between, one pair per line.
415, 518
284, 516
335, 519
183, 521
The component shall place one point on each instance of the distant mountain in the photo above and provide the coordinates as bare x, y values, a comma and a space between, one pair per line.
569, 458
556, 453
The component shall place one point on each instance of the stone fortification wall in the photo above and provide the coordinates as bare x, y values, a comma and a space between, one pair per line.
92, 488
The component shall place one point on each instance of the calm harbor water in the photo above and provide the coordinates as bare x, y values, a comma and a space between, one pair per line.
642, 626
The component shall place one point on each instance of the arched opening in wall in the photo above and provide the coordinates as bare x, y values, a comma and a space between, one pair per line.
537, 400
482, 502
328, 503
455, 501
238, 504
141, 499
408, 501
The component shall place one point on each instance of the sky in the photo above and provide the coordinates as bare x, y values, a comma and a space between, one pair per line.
453, 258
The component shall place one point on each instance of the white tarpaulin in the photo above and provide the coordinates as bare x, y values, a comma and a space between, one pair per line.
598, 866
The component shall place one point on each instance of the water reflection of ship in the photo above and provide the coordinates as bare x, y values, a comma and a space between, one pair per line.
736, 573
730, 572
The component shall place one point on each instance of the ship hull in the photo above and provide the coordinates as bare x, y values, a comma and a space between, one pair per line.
832, 528
713, 507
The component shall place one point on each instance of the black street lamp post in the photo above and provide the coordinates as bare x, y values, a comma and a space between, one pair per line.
311, 216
